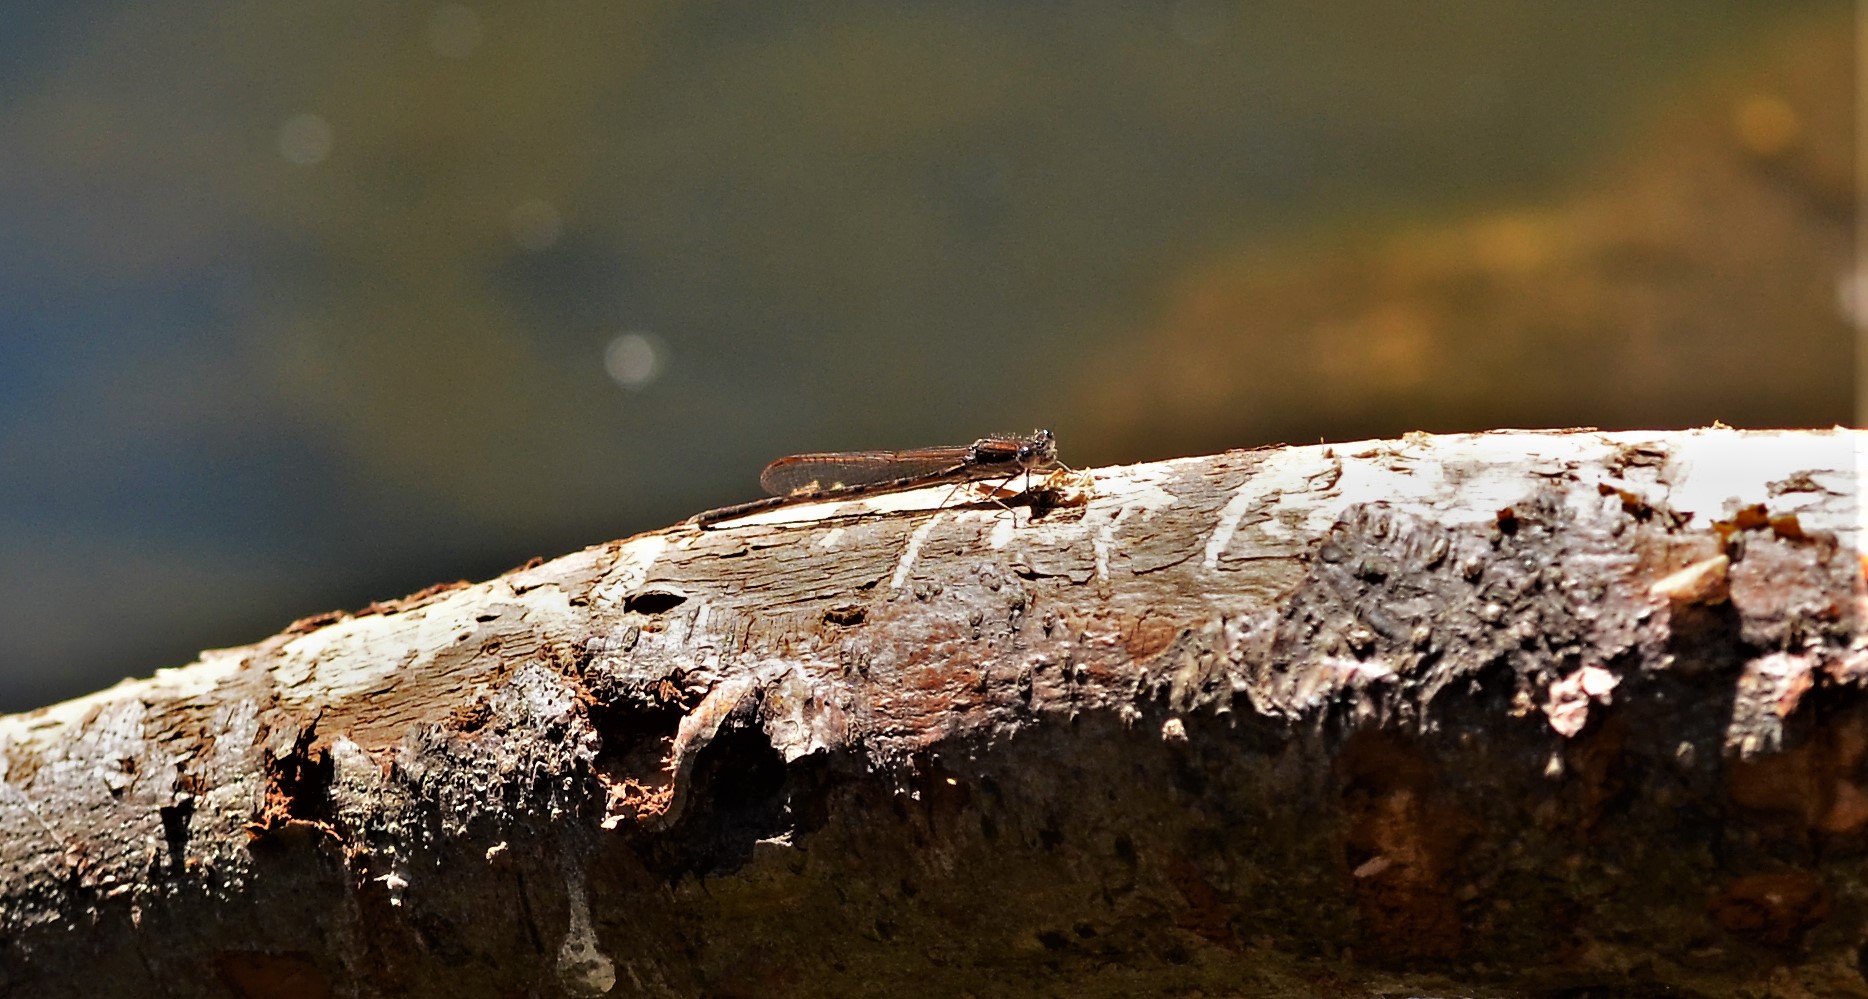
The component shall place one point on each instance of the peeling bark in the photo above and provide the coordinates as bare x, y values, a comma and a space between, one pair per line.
1517, 713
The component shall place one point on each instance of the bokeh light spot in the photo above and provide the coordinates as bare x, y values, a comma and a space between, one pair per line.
535, 225
633, 359
454, 31
1852, 299
1766, 126
305, 139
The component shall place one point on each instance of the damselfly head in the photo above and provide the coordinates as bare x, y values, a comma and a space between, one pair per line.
1039, 450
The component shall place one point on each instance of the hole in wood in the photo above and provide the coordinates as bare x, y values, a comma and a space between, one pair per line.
654, 601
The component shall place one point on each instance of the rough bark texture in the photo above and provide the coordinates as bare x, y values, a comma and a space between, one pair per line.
1514, 713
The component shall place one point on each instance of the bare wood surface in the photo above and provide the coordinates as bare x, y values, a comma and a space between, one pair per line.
1521, 713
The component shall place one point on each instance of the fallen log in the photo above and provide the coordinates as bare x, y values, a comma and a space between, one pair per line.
1517, 712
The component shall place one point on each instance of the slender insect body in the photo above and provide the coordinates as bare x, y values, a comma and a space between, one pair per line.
835, 474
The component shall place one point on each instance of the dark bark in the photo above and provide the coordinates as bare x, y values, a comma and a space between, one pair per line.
1517, 713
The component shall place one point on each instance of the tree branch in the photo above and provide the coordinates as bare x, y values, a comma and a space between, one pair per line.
1513, 712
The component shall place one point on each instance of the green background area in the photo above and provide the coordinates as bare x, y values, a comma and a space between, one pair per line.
303, 306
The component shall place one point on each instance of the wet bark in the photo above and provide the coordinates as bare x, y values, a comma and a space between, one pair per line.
1517, 713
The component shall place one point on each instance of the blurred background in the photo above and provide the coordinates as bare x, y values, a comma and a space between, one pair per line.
308, 305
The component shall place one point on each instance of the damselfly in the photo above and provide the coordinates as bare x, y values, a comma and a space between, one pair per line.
838, 474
